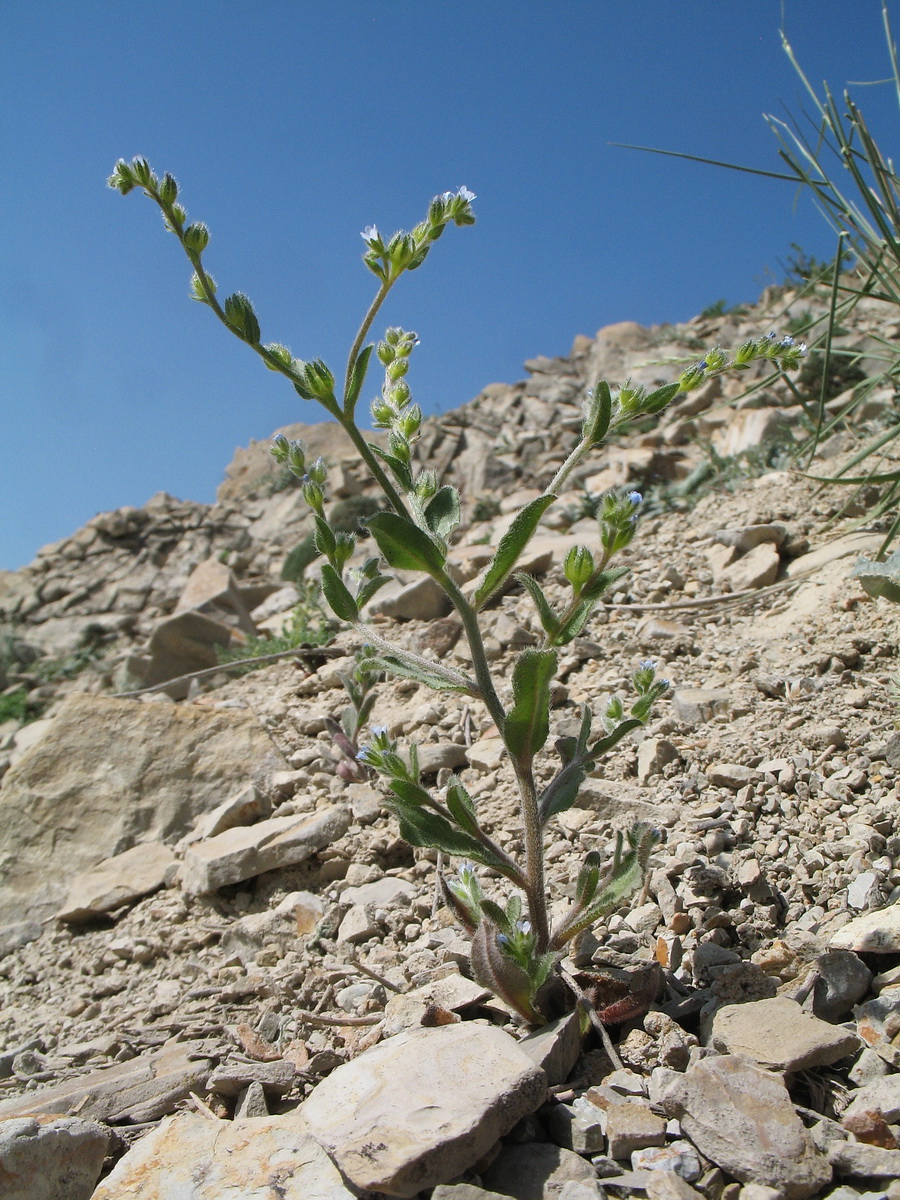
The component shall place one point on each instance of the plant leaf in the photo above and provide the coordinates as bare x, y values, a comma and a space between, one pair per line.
570, 628
324, 538
510, 548
357, 377
596, 421
562, 791
424, 827
460, 805
441, 679
442, 513
549, 619
404, 545
398, 466
528, 723
339, 599
505, 978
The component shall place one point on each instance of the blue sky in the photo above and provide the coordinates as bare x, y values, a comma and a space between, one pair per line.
291, 125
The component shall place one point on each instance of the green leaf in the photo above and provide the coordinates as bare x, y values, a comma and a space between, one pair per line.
505, 978
411, 794
424, 827
580, 614
496, 915
562, 790
549, 619
339, 599
433, 676
369, 588
659, 399
510, 548
442, 511
401, 469
240, 316
324, 538
588, 878
528, 723
596, 421
357, 378
404, 545
460, 805
880, 578
606, 743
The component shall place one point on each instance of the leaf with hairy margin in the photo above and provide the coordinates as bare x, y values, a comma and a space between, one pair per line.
510, 548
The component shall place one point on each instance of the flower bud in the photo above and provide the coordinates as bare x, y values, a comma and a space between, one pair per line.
196, 237
397, 369
318, 471
578, 567
168, 189
386, 353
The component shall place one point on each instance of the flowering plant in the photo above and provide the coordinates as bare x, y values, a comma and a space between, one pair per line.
514, 947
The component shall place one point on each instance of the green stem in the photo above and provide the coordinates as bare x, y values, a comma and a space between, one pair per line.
360, 338
476, 646
565, 470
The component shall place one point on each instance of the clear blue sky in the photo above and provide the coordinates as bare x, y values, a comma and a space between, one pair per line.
291, 125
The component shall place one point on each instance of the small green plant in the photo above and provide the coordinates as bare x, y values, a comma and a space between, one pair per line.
515, 946
302, 555
14, 706
720, 308
807, 273
309, 625
359, 685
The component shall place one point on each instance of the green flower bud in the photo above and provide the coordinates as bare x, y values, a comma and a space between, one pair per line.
399, 394
122, 177
397, 369
143, 174
202, 290
578, 567
318, 380
240, 316
281, 354
314, 497
382, 414
400, 448
385, 353
426, 485
279, 448
408, 424
196, 238
168, 189
715, 359
318, 471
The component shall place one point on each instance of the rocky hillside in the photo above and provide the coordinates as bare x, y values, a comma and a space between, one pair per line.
221, 970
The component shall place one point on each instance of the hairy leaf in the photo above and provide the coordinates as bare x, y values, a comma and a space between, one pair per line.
442, 511
424, 827
357, 377
460, 805
339, 599
432, 675
528, 723
510, 548
549, 619
404, 545
596, 421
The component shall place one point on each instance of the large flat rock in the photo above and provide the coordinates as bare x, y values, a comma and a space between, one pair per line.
195, 1158
424, 1106
110, 773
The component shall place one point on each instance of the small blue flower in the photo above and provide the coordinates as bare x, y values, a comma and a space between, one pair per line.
370, 234
647, 664
635, 498
787, 341
363, 754
465, 194
801, 349
379, 730
702, 364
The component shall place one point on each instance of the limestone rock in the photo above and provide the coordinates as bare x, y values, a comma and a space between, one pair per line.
116, 881
247, 851
876, 932
423, 1106
696, 706
141, 1089
757, 568
185, 642
256, 1159
856, 1158
633, 1126
59, 1158
779, 1035
536, 1171
742, 1119
110, 773
212, 589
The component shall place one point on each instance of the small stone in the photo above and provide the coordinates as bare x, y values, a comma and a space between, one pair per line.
555, 1047
51, 1158
654, 754
536, 1171
778, 1034
358, 925
233, 1076
698, 706
876, 932
881, 1096
871, 1128
116, 882
731, 775
756, 569
843, 981
251, 1102
856, 1158
865, 891
486, 754
678, 1157
668, 1185
632, 1126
